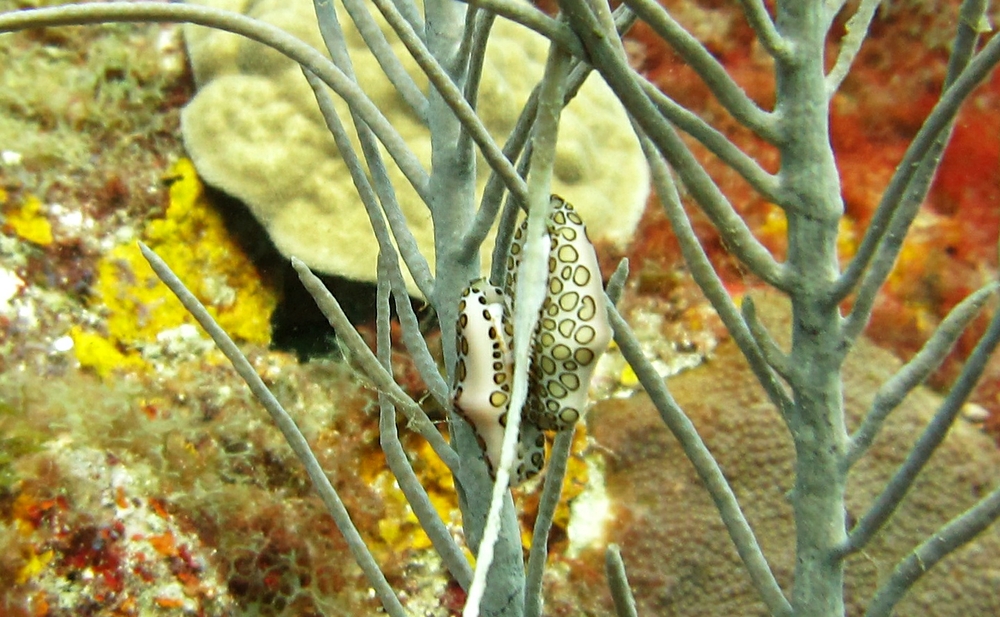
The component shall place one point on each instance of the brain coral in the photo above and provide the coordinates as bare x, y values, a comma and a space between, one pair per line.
254, 130
682, 562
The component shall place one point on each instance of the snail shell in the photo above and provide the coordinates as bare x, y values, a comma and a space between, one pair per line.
573, 329
484, 376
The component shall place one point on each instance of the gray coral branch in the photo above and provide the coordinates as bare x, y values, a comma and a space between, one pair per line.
769, 350
547, 504
533, 19
621, 592
371, 196
616, 282
707, 467
399, 463
850, 44
414, 342
517, 146
411, 13
379, 47
478, 25
452, 96
763, 25
958, 532
708, 279
727, 91
530, 291
914, 372
932, 436
714, 141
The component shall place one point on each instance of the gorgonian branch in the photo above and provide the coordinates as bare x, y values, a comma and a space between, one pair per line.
370, 196
621, 592
762, 23
380, 49
833, 7
929, 440
399, 463
370, 367
479, 24
411, 13
708, 279
533, 19
414, 342
616, 282
958, 532
703, 272
686, 120
769, 350
850, 44
493, 193
705, 464
914, 372
727, 92
333, 37
714, 141
555, 476
530, 292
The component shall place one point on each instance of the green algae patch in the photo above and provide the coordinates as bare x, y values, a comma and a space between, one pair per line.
16, 440
192, 238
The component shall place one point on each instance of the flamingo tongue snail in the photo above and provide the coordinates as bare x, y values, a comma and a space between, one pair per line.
572, 333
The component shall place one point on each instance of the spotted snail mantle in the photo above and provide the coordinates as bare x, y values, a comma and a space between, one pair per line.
572, 333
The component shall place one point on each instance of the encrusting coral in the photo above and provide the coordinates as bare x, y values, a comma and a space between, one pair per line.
254, 131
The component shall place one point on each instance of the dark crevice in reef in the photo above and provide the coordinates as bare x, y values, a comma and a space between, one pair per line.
297, 324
